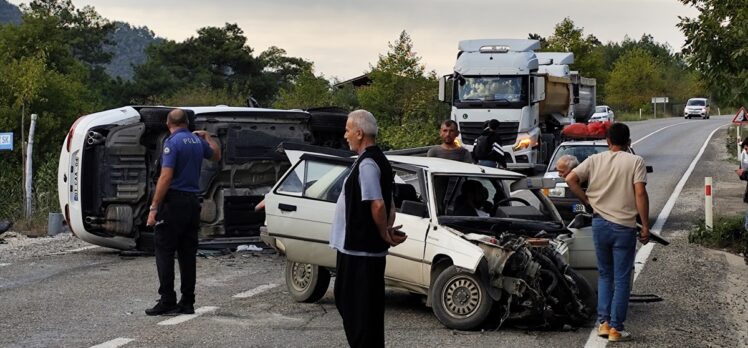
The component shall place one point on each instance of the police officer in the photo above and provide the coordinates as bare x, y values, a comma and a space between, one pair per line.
175, 211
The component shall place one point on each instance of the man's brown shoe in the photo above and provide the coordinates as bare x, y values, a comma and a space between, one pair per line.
618, 336
603, 330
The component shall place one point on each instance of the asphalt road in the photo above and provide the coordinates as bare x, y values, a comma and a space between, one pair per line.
82, 298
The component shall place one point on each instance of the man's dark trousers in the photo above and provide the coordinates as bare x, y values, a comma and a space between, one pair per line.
359, 297
180, 213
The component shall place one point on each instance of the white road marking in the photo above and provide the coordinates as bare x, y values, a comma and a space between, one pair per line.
256, 291
117, 342
83, 248
185, 317
4, 264
661, 129
77, 250
642, 255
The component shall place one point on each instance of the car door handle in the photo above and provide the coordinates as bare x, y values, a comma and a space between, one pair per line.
286, 207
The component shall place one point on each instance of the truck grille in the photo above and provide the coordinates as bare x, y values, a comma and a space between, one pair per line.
471, 130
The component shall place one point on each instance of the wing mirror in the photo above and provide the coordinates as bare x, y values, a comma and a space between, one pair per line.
650, 169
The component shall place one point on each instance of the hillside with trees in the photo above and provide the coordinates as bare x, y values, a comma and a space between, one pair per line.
9, 13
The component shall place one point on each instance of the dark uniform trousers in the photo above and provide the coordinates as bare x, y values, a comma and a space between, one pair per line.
359, 297
180, 213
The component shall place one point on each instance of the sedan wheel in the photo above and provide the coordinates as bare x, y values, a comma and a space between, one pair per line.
306, 282
460, 299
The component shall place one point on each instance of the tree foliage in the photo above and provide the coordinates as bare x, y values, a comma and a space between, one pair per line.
567, 37
637, 76
717, 46
217, 58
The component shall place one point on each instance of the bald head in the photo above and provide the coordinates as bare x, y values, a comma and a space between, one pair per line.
177, 118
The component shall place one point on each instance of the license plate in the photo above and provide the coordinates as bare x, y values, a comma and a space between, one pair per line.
578, 208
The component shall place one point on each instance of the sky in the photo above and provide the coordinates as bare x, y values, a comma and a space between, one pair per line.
344, 37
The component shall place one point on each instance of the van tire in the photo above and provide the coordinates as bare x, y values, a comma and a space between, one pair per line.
306, 282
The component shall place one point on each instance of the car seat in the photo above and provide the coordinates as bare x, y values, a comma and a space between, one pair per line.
404, 192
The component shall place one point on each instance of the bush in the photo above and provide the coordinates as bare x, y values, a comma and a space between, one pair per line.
45, 194
728, 233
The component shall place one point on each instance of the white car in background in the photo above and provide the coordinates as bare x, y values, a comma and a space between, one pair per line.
514, 254
696, 107
603, 113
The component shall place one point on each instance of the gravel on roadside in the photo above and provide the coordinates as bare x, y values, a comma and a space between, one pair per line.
19, 247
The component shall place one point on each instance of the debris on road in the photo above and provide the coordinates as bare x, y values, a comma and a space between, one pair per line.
248, 247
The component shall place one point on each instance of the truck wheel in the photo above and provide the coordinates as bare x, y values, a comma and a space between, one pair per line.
461, 300
306, 282
588, 296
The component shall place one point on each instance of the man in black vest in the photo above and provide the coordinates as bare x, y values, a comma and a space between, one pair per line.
362, 232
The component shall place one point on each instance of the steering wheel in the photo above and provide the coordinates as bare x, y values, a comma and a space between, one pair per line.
515, 199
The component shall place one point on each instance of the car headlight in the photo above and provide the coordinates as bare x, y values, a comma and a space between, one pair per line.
557, 192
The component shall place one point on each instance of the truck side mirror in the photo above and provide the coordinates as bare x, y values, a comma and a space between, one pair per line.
538, 93
445, 88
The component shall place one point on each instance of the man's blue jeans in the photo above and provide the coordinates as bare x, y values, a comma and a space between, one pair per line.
615, 247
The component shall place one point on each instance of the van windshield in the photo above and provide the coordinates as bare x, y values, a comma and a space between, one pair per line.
696, 102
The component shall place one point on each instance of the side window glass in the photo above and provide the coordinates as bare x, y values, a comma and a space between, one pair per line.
407, 188
324, 181
291, 184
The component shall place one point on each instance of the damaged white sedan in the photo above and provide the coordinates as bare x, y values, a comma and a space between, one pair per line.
478, 239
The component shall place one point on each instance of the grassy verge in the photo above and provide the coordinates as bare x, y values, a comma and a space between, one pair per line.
728, 233
631, 116
44, 195
731, 141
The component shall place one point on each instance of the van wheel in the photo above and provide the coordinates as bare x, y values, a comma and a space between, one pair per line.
306, 282
461, 300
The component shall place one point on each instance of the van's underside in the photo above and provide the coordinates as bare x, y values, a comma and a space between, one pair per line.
121, 165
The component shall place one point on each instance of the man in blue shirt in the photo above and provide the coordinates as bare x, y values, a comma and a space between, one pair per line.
175, 211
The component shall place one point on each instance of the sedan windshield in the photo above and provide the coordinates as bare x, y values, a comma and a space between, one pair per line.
601, 109
490, 198
581, 152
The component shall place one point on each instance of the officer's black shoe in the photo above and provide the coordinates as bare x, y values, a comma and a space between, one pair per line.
186, 308
162, 308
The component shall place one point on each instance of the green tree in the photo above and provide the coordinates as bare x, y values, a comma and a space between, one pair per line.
637, 76
217, 58
717, 46
400, 59
403, 97
308, 91
567, 37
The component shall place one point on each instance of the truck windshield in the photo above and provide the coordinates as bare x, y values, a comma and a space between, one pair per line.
492, 91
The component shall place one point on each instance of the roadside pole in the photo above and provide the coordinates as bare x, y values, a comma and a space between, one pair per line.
708, 218
739, 139
29, 174
640, 114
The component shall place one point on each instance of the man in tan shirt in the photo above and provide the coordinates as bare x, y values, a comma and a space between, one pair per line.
617, 193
